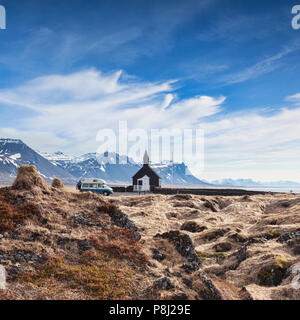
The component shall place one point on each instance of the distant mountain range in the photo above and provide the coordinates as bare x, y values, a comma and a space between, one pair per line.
14, 153
252, 183
94, 165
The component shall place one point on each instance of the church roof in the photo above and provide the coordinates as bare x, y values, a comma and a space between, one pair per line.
144, 170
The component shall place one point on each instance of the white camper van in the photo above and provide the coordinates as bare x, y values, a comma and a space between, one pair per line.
94, 185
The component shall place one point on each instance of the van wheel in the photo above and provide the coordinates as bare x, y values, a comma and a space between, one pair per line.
105, 194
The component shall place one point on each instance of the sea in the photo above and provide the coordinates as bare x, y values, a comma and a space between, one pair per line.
274, 189
289, 189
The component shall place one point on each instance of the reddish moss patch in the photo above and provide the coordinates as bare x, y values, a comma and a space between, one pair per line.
97, 276
10, 216
120, 243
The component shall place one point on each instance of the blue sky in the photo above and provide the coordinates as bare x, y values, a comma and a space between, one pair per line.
70, 68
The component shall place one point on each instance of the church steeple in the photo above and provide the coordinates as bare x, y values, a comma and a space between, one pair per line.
146, 158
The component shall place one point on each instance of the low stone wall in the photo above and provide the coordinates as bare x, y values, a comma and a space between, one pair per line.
122, 188
202, 192
207, 192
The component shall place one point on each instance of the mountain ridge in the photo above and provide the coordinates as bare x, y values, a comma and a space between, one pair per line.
252, 183
15, 153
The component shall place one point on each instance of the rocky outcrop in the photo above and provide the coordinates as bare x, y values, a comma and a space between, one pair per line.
163, 284
185, 247
192, 226
289, 235
120, 219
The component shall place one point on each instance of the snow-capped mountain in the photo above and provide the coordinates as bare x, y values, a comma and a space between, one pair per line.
91, 168
252, 183
119, 172
14, 153
56, 156
106, 158
177, 174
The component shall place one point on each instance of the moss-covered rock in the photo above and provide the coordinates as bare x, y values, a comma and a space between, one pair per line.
273, 274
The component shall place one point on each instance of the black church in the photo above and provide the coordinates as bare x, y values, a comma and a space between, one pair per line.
146, 178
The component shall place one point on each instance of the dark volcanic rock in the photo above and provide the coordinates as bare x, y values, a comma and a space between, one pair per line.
21, 256
288, 236
192, 226
180, 296
241, 254
222, 247
187, 282
182, 197
190, 267
295, 244
120, 219
271, 276
157, 255
163, 284
209, 291
184, 245
80, 218
84, 245
208, 204
238, 237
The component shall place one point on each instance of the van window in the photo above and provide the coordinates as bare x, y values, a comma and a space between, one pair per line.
85, 185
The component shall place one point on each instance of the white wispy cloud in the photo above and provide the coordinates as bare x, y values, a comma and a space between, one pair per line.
295, 98
68, 110
263, 66
76, 106
254, 145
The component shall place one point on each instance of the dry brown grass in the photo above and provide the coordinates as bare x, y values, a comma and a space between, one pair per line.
108, 208
117, 266
29, 178
57, 183
98, 276
120, 243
